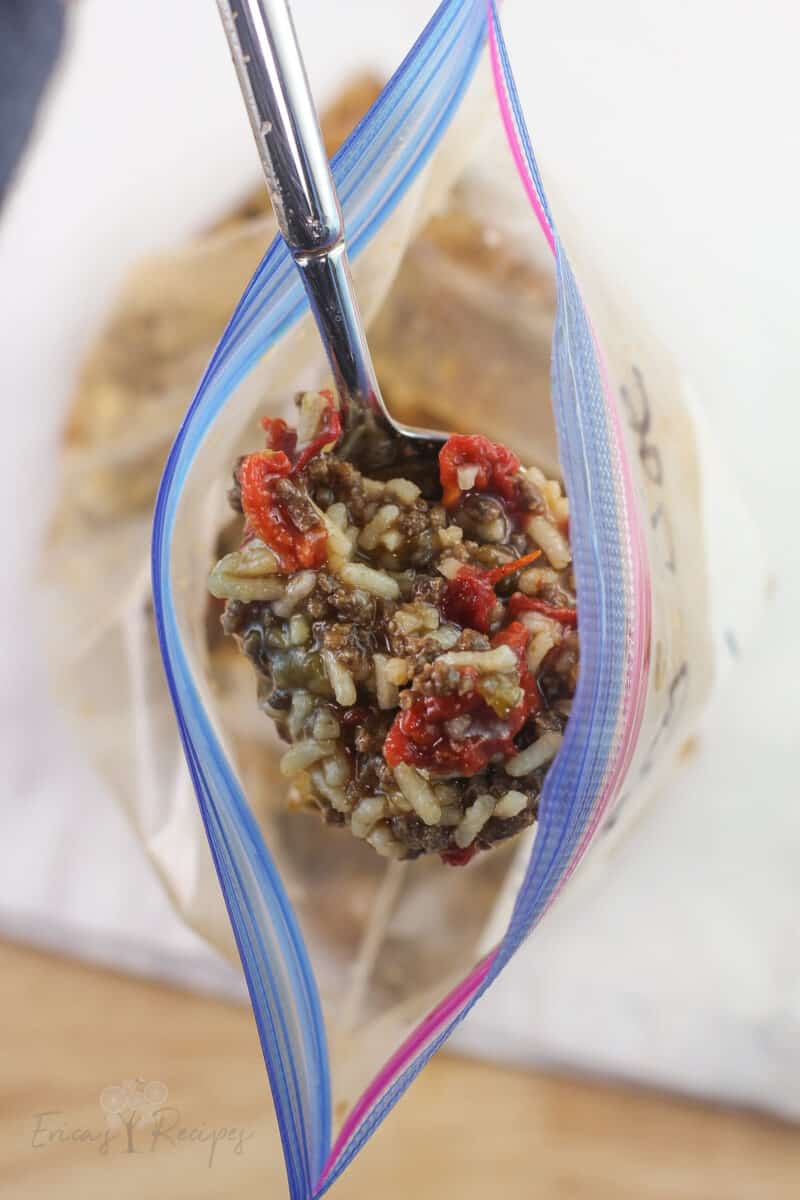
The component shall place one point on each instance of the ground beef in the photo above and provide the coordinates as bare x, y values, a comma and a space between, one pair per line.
477, 513
296, 503
429, 589
353, 645
418, 838
354, 606
329, 475
495, 831
532, 497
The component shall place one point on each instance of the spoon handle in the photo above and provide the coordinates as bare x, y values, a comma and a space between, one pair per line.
273, 80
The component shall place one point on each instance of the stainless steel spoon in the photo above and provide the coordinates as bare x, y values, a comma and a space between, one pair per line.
273, 80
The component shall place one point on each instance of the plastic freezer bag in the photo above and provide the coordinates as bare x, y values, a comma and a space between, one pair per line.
339, 1052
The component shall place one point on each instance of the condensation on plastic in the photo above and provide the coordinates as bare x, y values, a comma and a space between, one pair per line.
621, 720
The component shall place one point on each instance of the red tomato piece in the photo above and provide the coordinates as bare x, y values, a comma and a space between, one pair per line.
418, 734
496, 466
457, 857
329, 433
469, 599
266, 517
280, 436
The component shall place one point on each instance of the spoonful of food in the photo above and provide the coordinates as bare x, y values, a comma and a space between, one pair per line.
284, 121
390, 588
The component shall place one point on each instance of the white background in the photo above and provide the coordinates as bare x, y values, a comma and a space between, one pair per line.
672, 130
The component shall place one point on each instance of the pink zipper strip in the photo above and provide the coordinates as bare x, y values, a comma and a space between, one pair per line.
414, 1043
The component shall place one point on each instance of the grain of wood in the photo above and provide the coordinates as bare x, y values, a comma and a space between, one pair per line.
465, 1129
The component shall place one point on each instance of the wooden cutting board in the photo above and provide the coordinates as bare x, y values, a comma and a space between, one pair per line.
77, 1039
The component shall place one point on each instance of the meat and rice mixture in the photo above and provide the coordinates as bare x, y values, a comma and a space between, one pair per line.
419, 655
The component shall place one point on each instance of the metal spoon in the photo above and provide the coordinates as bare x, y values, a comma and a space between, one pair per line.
273, 80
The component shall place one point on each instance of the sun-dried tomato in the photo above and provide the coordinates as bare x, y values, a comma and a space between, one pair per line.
496, 467
417, 738
330, 431
457, 857
469, 597
418, 734
259, 474
519, 603
280, 436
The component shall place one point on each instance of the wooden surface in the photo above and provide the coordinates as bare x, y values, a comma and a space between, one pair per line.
465, 1129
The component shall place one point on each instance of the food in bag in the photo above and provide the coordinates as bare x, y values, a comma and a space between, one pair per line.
352, 998
405, 643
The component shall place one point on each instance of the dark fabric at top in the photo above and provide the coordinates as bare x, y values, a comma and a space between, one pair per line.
31, 34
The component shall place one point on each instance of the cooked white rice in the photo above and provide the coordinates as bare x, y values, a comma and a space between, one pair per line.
342, 682
419, 793
551, 541
502, 659
378, 583
473, 820
536, 755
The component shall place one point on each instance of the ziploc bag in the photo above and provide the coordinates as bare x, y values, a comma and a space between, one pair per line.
626, 452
